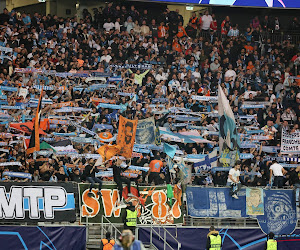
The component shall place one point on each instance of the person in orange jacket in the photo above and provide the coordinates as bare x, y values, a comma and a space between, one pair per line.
181, 31
162, 30
107, 243
194, 20
176, 46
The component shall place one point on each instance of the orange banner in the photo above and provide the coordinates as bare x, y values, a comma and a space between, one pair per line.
102, 100
62, 104
126, 136
26, 127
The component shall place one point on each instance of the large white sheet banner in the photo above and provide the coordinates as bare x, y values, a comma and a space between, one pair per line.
290, 142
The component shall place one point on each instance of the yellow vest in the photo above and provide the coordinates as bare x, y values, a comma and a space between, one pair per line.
215, 242
131, 218
271, 244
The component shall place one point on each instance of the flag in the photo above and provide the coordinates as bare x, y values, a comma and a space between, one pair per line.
126, 136
207, 163
26, 127
34, 143
62, 146
229, 141
108, 151
169, 150
45, 145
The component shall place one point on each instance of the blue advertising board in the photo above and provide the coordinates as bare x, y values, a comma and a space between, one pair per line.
232, 239
53, 238
241, 3
278, 213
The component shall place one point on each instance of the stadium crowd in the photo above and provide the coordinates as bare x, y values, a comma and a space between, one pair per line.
186, 60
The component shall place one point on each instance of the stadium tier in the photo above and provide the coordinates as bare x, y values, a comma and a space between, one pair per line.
157, 125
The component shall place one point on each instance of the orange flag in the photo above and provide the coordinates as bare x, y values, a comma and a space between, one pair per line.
34, 143
126, 136
108, 151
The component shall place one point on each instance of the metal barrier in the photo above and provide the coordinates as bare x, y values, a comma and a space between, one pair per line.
112, 228
164, 237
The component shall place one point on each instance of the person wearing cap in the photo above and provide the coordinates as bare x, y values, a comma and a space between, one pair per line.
108, 242
271, 243
214, 240
130, 217
128, 242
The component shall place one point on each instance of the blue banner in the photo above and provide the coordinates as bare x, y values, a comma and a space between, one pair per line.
17, 175
35, 237
145, 131
6, 88
102, 127
279, 207
109, 106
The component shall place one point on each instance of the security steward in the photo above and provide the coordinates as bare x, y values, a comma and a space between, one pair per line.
214, 240
271, 244
107, 243
130, 217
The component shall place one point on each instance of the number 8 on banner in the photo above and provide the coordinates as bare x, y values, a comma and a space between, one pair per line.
159, 209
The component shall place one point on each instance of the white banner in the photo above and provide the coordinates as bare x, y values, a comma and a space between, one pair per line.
205, 98
12, 163
290, 142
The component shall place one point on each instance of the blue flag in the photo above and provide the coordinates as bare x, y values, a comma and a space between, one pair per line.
229, 141
169, 150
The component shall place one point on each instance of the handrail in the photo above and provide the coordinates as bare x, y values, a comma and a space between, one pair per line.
164, 238
165, 230
116, 230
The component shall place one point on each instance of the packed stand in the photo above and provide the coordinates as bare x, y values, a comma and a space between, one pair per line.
186, 60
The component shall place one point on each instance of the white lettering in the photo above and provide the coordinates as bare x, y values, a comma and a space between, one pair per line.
11, 207
33, 193
53, 197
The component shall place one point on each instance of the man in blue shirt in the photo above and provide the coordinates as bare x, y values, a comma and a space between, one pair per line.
26, 20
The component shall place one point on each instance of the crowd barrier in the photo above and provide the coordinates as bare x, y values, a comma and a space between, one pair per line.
274, 209
195, 238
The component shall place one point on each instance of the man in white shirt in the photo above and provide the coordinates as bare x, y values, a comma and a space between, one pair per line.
230, 73
105, 57
234, 180
108, 25
278, 172
206, 21
117, 24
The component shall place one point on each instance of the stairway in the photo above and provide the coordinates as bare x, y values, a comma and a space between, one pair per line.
94, 236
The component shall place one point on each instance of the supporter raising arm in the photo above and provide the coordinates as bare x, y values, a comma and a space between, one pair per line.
138, 76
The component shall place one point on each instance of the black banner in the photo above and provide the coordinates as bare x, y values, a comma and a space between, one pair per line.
31, 202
